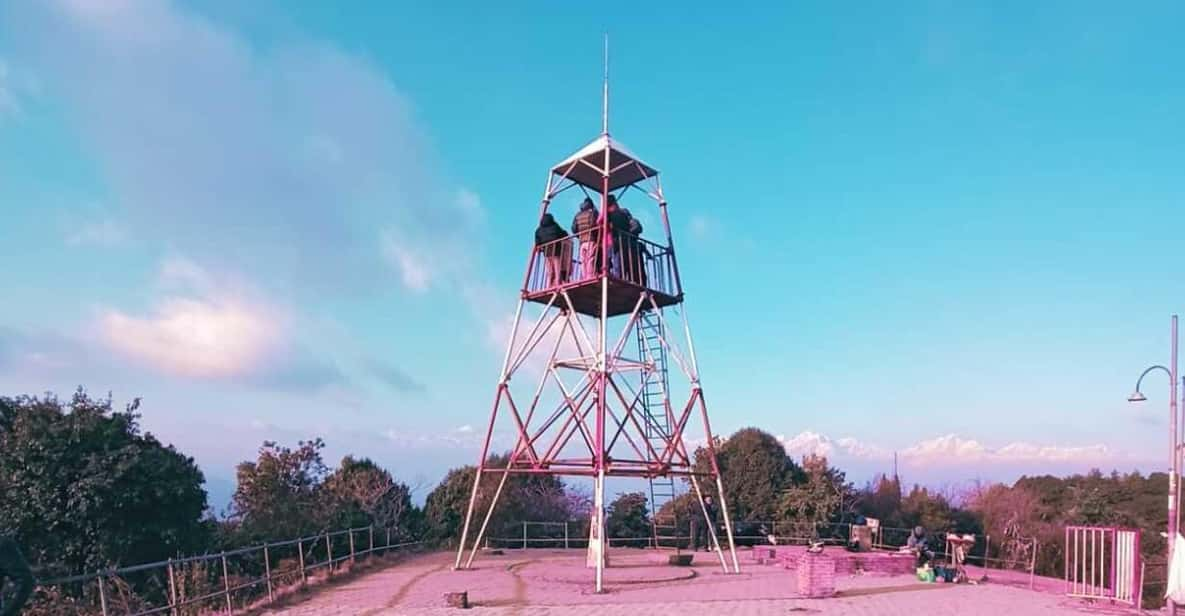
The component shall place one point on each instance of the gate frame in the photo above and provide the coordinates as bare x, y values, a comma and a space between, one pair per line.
1104, 545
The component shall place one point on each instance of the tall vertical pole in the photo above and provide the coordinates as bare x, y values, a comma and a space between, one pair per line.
605, 92
1174, 454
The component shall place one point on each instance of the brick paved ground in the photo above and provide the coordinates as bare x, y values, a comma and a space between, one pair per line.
539, 583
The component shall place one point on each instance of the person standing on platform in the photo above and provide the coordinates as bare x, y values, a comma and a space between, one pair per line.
551, 240
585, 226
619, 229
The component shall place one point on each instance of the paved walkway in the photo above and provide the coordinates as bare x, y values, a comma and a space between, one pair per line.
543, 583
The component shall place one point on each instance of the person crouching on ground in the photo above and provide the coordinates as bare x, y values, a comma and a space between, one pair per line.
918, 545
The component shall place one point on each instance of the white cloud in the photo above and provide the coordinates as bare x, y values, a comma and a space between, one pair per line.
412, 266
950, 448
104, 233
209, 332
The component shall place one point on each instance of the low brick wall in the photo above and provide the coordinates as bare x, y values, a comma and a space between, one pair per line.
816, 576
846, 563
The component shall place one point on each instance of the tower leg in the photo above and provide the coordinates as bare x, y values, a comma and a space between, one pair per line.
732, 548
596, 531
708, 523
485, 522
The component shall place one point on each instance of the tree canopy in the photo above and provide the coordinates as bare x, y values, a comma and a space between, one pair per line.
83, 488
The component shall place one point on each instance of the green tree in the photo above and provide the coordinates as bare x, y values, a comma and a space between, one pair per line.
755, 470
824, 495
83, 488
278, 495
360, 493
526, 497
628, 518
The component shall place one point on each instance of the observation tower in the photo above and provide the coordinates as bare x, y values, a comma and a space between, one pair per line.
584, 386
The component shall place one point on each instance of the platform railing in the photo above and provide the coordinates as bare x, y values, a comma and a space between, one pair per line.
228, 582
574, 260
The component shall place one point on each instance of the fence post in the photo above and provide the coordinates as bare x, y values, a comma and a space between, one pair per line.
226, 585
1140, 597
304, 578
1033, 564
371, 550
328, 555
172, 589
388, 544
102, 596
987, 550
351, 547
267, 569
565, 534
524, 535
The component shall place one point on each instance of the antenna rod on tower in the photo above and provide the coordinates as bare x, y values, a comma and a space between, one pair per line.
605, 101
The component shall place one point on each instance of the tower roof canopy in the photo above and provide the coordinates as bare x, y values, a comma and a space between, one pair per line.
587, 166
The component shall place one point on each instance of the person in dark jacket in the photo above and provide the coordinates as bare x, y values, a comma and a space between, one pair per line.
13, 567
551, 241
918, 544
586, 227
619, 229
710, 507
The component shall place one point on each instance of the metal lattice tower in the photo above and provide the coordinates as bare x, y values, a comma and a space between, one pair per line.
590, 406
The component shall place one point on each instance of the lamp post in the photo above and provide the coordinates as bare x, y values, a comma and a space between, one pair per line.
1174, 451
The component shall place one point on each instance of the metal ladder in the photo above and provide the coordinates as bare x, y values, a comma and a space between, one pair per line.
654, 393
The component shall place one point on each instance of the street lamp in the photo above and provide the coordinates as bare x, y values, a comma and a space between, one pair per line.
1174, 454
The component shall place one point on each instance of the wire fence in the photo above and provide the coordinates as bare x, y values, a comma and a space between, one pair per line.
228, 582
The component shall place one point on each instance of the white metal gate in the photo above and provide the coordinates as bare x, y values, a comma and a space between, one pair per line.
1103, 562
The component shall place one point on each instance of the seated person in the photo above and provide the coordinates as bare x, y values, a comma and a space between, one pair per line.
917, 545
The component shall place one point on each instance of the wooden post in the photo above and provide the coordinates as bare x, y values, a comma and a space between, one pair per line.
102, 596
267, 570
328, 555
226, 585
524, 535
565, 534
1033, 564
987, 550
352, 547
371, 550
172, 589
304, 578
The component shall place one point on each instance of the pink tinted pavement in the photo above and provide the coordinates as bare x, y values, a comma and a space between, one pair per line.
545, 582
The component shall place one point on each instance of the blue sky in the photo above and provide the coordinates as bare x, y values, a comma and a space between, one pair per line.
945, 229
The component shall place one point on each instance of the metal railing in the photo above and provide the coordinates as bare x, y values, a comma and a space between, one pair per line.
240, 579
677, 533
570, 261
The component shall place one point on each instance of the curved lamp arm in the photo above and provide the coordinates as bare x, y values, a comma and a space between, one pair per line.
1150, 369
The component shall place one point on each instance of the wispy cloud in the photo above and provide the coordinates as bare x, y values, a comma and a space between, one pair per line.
289, 161
8, 101
103, 233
